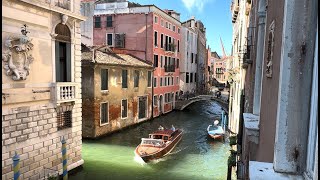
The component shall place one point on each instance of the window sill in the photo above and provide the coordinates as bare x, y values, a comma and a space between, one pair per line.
251, 124
265, 170
103, 124
122, 118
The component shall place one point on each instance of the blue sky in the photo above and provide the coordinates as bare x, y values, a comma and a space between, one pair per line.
215, 14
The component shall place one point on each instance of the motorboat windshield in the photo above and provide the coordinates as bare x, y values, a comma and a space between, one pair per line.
154, 142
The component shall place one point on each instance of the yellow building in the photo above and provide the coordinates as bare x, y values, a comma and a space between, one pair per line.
117, 91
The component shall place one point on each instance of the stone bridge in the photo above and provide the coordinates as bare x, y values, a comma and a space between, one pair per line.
181, 104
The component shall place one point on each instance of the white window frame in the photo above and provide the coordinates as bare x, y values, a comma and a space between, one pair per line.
107, 80
106, 102
156, 19
156, 46
122, 109
112, 39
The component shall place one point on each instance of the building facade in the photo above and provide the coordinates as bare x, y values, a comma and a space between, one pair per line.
202, 63
146, 32
188, 65
219, 70
117, 91
41, 86
277, 136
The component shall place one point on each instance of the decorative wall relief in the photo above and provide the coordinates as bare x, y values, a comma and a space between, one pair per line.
270, 47
16, 55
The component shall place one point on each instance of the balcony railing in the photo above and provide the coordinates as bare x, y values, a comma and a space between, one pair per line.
170, 47
65, 91
169, 68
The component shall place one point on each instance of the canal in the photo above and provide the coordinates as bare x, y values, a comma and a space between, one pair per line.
196, 157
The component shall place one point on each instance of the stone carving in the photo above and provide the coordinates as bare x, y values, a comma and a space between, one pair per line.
270, 48
16, 56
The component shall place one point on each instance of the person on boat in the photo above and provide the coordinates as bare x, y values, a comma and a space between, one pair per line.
173, 128
161, 128
215, 123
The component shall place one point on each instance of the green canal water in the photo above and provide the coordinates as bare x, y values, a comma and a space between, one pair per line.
196, 157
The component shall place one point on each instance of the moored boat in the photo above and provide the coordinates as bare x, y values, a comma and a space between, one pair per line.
159, 144
215, 131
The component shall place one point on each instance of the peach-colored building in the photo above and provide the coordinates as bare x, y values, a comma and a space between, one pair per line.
146, 32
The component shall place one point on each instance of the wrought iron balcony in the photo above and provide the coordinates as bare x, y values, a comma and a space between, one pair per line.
65, 91
169, 68
170, 47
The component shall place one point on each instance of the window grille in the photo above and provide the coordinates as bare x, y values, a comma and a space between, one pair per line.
64, 120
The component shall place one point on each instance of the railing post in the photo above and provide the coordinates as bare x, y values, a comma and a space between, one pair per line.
64, 159
16, 167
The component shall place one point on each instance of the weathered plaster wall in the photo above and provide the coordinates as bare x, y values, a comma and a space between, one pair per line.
115, 94
270, 86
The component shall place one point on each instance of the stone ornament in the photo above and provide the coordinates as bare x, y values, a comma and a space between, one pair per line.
16, 55
270, 48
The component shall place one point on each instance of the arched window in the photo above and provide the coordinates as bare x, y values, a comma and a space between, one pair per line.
63, 53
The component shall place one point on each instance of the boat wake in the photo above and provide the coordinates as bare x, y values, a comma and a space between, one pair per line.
139, 160
176, 151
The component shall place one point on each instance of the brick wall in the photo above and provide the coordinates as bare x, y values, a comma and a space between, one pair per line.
33, 134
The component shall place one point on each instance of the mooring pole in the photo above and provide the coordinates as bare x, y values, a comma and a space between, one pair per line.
16, 166
64, 159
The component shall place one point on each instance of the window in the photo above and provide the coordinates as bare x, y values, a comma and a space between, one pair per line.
174, 28
165, 61
63, 53
187, 35
162, 22
124, 78
154, 82
156, 39
187, 77
165, 81
155, 59
166, 24
155, 19
168, 81
97, 22
124, 108
177, 63
155, 100
178, 45
109, 40
142, 107
161, 61
195, 58
119, 40
169, 26
104, 113
161, 41
191, 77
136, 78
177, 81
109, 21
178, 30
64, 120
172, 81
149, 78
104, 79
191, 57
161, 81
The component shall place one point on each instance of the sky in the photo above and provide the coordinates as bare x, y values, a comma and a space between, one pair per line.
215, 15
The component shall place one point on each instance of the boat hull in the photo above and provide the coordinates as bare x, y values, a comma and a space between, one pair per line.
216, 136
161, 151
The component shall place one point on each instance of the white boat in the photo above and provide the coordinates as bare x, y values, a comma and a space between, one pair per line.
215, 131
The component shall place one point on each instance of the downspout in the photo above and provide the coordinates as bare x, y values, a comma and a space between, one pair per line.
145, 55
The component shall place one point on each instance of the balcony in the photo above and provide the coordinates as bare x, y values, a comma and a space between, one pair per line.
234, 10
170, 47
65, 91
169, 68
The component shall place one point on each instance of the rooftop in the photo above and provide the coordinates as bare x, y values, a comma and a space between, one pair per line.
104, 55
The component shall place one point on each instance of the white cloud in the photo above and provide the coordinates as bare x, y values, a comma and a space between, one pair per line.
199, 4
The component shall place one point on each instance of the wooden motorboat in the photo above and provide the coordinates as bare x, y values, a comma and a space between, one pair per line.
159, 144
